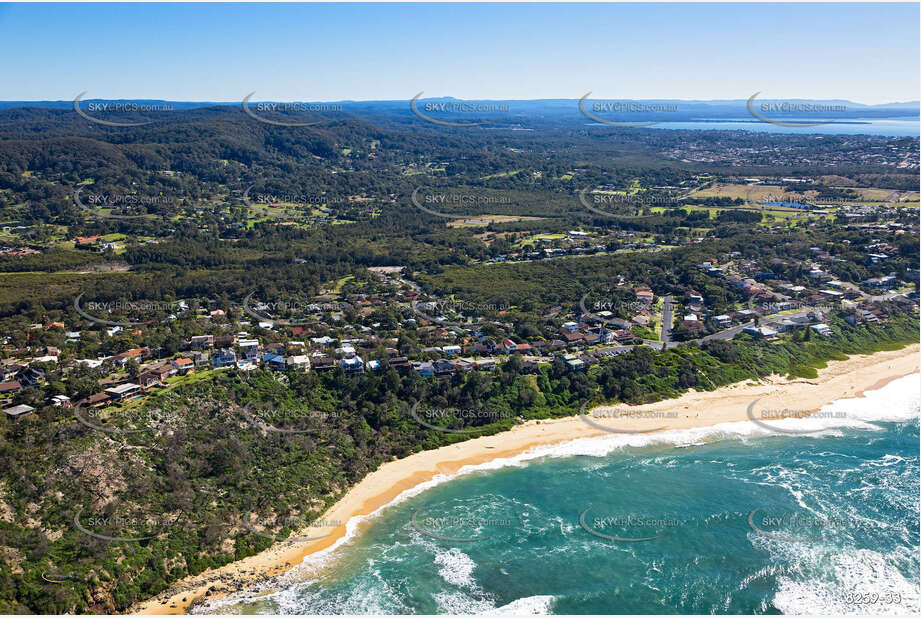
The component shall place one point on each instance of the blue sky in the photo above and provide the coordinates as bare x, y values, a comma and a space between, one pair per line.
868, 53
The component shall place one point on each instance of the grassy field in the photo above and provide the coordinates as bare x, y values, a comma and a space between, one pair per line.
484, 220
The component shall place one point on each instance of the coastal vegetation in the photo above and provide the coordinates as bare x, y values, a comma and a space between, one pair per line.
207, 457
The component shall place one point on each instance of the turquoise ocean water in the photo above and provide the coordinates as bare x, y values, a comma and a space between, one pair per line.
735, 518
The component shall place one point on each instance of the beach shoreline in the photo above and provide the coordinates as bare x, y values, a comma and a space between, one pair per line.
839, 380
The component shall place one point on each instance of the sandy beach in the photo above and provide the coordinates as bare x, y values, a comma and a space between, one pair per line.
841, 379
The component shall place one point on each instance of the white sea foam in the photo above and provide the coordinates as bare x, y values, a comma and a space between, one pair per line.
527, 606
897, 401
456, 567
862, 572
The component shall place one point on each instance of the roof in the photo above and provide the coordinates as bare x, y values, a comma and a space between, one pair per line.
183, 361
6, 387
18, 410
121, 389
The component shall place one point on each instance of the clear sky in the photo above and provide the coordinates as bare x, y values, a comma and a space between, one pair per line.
868, 53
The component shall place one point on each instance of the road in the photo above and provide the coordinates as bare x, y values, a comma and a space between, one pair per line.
667, 320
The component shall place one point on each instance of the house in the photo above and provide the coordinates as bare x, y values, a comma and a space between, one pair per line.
641, 320
296, 346
444, 367
31, 377
148, 380
275, 362
125, 392
98, 400
61, 401
644, 295
722, 321
571, 327
424, 369
183, 365
572, 338
401, 364
451, 349
202, 342
509, 346
624, 336
322, 362
760, 331
17, 411
200, 359
86, 241
9, 387
300, 362
485, 364
249, 350
164, 371
122, 359
529, 367
225, 357
348, 350
887, 282
224, 341
574, 362
523, 348
274, 348
696, 299
352, 366
821, 329
745, 315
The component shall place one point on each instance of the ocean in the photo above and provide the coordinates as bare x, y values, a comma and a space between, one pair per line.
816, 515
